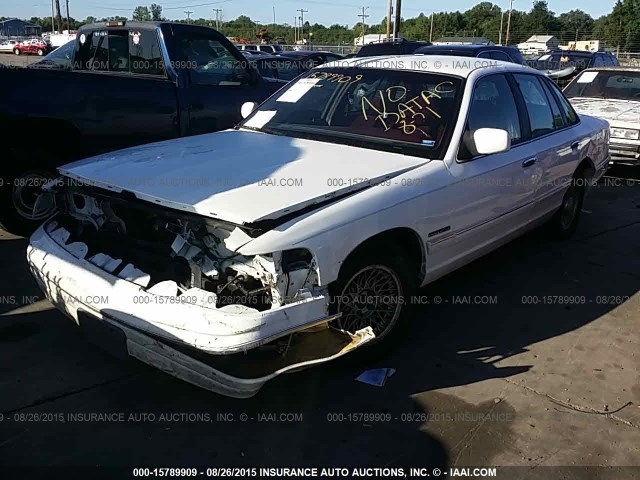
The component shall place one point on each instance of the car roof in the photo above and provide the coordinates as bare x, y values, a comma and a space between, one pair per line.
580, 53
151, 25
301, 53
620, 68
443, 64
465, 47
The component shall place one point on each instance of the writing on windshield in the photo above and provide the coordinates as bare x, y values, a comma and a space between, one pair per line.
398, 110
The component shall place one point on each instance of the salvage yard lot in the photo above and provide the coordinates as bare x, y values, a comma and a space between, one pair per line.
528, 356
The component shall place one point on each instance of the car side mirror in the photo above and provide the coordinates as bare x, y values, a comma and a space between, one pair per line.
248, 108
487, 141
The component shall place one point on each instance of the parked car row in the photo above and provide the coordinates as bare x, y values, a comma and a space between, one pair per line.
298, 233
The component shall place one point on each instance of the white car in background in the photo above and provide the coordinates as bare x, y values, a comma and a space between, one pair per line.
229, 258
614, 95
7, 46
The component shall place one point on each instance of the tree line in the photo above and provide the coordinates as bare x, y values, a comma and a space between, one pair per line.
618, 29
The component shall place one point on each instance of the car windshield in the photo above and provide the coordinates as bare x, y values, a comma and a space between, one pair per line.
622, 85
61, 57
560, 61
391, 110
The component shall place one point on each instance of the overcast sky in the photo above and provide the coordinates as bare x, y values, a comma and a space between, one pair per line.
321, 11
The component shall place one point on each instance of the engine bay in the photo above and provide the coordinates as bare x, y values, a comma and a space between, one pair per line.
172, 253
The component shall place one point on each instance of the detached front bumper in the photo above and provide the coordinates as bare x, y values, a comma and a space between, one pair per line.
77, 287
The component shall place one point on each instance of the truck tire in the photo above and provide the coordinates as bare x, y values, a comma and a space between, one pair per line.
18, 195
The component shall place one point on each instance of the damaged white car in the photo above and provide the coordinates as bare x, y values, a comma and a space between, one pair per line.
612, 94
227, 259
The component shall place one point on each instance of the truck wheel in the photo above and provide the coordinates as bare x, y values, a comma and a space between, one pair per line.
565, 221
372, 291
40, 52
18, 200
16, 51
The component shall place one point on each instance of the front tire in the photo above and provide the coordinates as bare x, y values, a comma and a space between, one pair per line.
40, 52
372, 290
18, 200
565, 221
16, 51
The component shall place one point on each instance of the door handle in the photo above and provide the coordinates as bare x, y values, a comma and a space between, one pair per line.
575, 145
529, 161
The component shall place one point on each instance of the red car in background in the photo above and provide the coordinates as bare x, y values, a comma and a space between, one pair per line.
33, 47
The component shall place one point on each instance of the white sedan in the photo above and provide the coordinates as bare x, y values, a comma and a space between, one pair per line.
7, 46
229, 258
612, 94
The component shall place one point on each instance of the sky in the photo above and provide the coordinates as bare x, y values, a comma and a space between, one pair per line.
327, 12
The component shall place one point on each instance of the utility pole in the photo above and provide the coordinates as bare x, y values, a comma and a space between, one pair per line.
302, 12
364, 17
218, 12
500, 34
53, 23
58, 16
188, 14
396, 22
431, 30
274, 16
389, 10
68, 24
506, 40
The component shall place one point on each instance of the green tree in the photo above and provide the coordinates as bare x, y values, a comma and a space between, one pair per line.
141, 14
576, 22
156, 12
540, 19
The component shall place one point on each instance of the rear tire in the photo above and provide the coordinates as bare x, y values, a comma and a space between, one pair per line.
40, 52
16, 51
565, 221
373, 289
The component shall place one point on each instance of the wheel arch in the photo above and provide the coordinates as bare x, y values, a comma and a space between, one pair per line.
404, 240
587, 167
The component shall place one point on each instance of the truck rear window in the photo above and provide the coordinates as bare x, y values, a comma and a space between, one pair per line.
120, 51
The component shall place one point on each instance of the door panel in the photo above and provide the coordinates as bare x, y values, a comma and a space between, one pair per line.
490, 197
220, 80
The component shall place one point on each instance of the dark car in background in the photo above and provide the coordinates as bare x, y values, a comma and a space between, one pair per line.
311, 58
392, 47
493, 52
564, 65
278, 67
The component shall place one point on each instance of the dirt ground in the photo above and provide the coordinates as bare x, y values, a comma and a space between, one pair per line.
487, 376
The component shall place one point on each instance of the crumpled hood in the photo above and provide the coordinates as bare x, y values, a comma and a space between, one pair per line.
239, 176
609, 109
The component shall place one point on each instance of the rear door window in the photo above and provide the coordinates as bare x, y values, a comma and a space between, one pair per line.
538, 108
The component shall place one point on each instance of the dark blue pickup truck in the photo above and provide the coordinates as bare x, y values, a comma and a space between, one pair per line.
129, 83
